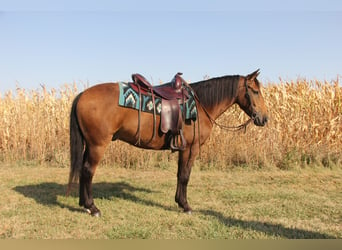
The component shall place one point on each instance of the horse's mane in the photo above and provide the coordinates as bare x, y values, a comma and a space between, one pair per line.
213, 91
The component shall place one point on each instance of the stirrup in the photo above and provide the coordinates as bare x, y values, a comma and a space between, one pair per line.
175, 145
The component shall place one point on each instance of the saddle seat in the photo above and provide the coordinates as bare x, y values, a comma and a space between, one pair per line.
169, 91
172, 94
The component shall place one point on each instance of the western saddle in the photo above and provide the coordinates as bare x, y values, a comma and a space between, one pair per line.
172, 94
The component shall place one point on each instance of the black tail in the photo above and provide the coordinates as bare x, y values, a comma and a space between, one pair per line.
76, 145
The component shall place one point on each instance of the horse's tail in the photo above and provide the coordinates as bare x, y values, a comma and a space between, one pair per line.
76, 146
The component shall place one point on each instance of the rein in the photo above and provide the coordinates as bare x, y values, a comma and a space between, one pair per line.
232, 128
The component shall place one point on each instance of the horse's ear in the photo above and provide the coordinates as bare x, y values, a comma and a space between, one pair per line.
253, 75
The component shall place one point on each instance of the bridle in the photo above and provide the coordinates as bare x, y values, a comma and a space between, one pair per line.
225, 127
212, 120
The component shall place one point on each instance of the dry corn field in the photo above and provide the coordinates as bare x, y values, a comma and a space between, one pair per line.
305, 129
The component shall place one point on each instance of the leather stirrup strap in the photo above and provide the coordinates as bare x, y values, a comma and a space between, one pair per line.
154, 117
139, 118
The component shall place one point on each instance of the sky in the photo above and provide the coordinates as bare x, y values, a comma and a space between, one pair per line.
53, 43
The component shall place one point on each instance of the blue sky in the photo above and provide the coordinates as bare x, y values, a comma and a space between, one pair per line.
53, 43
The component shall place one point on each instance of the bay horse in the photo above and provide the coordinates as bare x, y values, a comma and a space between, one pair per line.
96, 119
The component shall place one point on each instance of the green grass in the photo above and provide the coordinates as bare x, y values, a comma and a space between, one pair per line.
240, 204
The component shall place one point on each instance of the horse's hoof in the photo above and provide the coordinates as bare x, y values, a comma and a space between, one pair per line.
188, 210
96, 214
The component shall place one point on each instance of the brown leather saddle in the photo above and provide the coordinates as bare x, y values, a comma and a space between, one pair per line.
172, 94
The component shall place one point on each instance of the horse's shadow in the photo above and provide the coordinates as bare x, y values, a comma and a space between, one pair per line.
276, 230
47, 194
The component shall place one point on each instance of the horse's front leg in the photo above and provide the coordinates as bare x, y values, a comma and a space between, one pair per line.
185, 162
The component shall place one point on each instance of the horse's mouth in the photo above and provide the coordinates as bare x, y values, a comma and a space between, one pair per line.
260, 120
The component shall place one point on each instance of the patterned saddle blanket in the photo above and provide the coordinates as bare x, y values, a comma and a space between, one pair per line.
129, 98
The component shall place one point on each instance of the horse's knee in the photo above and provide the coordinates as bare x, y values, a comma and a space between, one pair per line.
183, 176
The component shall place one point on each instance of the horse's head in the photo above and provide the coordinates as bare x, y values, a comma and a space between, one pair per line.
251, 100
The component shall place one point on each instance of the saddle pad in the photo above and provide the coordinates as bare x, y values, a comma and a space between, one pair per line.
129, 98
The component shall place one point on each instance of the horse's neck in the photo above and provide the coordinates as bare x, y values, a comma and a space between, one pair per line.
217, 94
217, 110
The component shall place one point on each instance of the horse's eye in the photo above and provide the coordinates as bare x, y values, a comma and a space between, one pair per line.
255, 91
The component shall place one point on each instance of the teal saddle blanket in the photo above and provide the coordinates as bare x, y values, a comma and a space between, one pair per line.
129, 98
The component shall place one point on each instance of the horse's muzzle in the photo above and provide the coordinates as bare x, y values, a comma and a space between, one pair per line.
260, 120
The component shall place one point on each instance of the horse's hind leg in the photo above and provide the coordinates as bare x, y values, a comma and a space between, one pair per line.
92, 157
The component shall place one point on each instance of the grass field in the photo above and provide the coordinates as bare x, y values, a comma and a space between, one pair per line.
236, 204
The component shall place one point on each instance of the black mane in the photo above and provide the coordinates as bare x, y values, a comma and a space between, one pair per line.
213, 91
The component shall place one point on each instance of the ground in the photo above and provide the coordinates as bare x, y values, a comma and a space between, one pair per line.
236, 204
